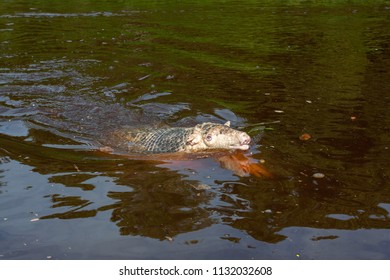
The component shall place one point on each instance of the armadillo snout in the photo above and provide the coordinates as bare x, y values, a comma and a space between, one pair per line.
244, 138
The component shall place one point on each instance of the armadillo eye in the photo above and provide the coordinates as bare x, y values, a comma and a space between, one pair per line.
209, 137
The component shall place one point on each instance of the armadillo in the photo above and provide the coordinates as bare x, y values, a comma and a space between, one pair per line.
200, 138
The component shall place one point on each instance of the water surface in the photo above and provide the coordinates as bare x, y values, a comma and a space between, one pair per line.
71, 72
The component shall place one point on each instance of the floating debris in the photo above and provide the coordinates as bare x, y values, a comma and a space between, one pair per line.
305, 137
170, 239
144, 77
34, 220
76, 167
318, 175
201, 187
317, 238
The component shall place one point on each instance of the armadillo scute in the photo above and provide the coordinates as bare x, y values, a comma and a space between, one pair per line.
202, 137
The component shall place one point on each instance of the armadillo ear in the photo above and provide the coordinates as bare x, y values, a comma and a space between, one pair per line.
193, 139
227, 123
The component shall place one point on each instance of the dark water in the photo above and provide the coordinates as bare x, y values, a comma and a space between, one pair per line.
72, 70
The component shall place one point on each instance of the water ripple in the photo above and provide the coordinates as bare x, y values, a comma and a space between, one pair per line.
66, 15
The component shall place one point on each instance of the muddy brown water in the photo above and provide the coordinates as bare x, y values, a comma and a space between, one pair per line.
70, 73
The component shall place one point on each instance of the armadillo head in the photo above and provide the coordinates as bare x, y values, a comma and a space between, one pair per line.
207, 136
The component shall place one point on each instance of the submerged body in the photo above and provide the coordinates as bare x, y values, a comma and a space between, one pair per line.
186, 143
200, 138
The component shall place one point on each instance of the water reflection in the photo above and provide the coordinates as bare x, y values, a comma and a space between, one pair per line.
145, 198
291, 69
148, 199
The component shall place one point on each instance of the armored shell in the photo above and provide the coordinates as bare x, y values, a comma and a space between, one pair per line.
200, 138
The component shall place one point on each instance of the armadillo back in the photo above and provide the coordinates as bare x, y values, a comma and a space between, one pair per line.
165, 140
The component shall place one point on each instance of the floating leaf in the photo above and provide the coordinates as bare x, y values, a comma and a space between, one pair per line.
305, 137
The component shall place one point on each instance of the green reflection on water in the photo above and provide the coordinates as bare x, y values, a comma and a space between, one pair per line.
71, 71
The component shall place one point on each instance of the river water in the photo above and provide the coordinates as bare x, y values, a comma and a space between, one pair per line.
309, 82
